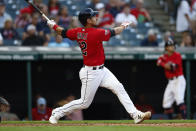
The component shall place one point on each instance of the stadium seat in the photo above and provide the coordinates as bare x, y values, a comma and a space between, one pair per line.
117, 41
134, 42
20, 31
127, 35
8, 43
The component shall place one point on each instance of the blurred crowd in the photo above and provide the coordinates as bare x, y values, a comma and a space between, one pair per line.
183, 14
41, 110
30, 29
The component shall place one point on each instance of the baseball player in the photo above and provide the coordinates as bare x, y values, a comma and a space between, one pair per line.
171, 61
3, 103
94, 74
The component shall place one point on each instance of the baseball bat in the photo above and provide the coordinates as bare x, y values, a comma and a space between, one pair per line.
37, 9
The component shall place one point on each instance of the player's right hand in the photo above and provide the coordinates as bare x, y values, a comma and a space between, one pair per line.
167, 66
127, 24
51, 23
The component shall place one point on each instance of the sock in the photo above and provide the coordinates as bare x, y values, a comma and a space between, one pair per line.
182, 108
169, 112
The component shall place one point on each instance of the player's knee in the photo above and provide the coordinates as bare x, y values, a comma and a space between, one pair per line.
85, 105
179, 101
166, 105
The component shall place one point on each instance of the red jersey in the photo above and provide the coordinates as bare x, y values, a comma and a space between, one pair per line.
39, 116
140, 15
174, 58
90, 41
107, 19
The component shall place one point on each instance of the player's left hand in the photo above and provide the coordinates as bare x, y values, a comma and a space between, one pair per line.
173, 66
51, 23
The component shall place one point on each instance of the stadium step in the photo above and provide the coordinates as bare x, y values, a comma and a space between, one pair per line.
161, 18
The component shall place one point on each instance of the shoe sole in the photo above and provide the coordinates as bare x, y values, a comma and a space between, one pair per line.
52, 122
146, 117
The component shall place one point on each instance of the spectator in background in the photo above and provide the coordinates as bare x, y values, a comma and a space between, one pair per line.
193, 19
74, 23
34, 21
5, 114
3, 15
133, 3
30, 8
151, 40
42, 27
188, 42
32, 38
53, 7
125, 16
1, 40
115, 7
93, 4
76, 115
59, 42
140, 12
8, 32
183, 22
23, 18
167, 35
41, 112
171, 9
63, 18
105, 19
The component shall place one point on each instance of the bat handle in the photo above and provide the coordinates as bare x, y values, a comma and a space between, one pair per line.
43, 15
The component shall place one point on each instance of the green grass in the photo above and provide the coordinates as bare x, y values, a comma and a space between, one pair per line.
45, 127
102, 121
96, 128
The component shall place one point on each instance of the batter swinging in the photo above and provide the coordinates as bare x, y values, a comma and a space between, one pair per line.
94, 74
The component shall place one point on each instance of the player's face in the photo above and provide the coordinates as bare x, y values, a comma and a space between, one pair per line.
93, 20
170, 48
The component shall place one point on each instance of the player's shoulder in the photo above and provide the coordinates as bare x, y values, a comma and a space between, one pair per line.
177, 53
76, 29
162, 56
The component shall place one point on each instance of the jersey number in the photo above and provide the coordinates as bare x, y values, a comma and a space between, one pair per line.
83, 47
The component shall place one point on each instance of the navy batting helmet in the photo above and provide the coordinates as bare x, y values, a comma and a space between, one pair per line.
169, 42
85, 14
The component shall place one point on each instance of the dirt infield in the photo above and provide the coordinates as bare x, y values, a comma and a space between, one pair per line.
193, 125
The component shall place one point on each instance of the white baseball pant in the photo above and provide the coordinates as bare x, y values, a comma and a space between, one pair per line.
91, 80
174, 92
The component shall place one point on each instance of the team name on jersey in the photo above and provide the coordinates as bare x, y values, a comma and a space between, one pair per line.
81, 35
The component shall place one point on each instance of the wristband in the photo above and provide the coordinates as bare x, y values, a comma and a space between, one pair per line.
55, 27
